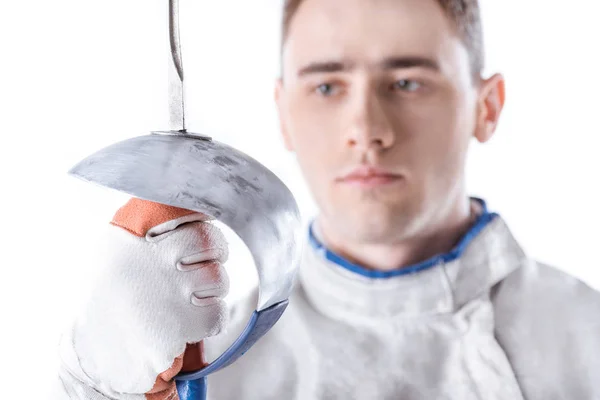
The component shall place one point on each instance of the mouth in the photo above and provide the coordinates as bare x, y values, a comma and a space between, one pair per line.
367, 176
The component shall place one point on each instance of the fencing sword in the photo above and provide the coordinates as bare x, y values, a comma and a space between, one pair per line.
195, 172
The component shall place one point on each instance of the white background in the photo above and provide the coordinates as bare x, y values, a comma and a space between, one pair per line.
76, 76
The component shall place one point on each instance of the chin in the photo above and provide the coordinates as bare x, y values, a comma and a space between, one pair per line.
377, 224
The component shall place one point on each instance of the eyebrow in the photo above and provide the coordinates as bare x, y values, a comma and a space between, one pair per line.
387, 64
410, 62
320, 67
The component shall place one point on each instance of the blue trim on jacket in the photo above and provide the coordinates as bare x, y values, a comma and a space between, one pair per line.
482, 221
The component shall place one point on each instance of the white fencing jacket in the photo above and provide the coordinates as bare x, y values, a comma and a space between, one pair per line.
483, 322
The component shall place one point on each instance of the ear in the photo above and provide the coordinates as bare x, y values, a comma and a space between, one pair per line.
490, 104
281, 110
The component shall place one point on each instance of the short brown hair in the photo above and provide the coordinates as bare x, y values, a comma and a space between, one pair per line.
464, 14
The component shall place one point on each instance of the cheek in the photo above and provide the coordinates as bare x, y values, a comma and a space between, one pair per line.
440, 133
313, 140
313, 127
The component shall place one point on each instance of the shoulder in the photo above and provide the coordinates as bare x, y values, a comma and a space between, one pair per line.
548, 323
544, 291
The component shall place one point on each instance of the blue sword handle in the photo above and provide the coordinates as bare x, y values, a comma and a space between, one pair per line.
192, 390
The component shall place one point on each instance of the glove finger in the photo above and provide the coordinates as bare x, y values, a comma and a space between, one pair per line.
192, 243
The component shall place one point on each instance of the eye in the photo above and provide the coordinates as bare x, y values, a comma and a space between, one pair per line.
325, 89
406, 85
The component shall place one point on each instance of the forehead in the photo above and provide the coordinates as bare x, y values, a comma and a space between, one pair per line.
366, 31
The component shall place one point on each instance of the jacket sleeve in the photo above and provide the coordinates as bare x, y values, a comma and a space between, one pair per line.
67, 387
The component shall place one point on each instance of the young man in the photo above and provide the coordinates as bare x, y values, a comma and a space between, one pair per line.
408, 289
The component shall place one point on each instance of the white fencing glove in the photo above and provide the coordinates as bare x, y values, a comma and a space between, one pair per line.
161, 292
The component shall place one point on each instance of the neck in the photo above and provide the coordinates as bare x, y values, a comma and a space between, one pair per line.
439, 237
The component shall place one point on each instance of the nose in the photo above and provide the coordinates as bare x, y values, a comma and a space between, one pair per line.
371, 128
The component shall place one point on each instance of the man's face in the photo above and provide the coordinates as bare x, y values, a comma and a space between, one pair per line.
378, 101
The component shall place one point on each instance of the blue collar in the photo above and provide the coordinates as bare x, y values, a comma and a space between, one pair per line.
484, 219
